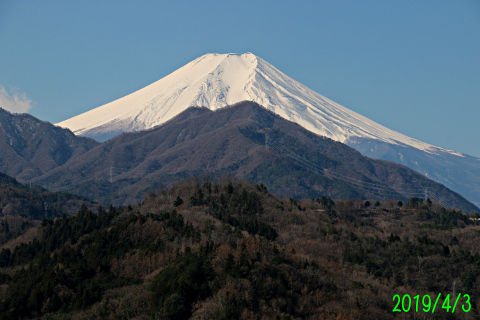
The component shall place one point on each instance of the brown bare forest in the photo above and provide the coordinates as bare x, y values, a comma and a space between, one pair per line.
228, 249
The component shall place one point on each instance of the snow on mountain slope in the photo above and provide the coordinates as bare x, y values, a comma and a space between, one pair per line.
217, 80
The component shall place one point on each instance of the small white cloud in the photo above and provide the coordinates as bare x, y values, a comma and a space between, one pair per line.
17, 102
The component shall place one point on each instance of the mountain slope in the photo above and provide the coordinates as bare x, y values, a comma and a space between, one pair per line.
459, 173
236, 251
31, 147
246, 141
23, 207
217, 80
34, 202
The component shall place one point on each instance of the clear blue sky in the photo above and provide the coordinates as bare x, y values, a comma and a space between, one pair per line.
413, 66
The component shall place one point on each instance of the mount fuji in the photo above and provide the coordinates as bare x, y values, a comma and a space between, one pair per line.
218, 80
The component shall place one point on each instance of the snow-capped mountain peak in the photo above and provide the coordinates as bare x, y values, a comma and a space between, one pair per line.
217, 80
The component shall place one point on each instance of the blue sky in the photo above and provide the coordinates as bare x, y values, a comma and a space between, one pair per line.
413, 66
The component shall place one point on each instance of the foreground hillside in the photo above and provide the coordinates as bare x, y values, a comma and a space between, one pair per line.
228, 249
22, 206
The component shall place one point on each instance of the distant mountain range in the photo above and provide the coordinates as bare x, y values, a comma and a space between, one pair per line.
218, 80
244, 140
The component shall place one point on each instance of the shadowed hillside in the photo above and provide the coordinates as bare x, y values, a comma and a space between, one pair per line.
30, 147
246, 141
22, 206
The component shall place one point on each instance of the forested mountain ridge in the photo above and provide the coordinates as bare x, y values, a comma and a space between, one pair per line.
246, 141
23, 206
31, 147
227, 249
17, 199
